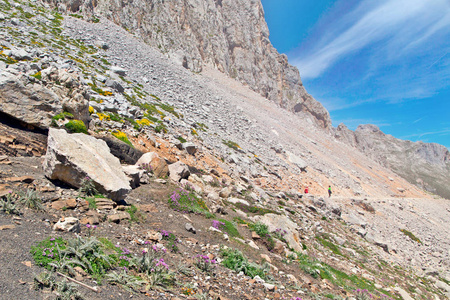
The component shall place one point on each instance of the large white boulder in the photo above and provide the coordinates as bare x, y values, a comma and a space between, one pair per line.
73, 157
178, 171
275, 222
153, 161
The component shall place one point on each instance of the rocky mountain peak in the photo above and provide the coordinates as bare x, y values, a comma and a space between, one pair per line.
369, 128
230, 36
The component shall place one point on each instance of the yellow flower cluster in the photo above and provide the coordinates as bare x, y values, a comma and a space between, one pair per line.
120, 135
91, 110
102, 116
144, 122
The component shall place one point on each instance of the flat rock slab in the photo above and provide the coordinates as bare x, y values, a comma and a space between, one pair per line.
73, 157
116, 218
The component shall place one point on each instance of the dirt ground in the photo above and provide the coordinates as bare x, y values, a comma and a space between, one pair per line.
18, 268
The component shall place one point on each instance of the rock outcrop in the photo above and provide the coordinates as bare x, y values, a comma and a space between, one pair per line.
35, 102
231, 36
73, 157
426, 165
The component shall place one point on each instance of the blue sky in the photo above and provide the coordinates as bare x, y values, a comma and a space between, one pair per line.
383, 62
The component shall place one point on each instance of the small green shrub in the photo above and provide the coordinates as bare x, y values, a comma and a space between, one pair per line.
115, 117
161, 128
44, 280
172, 240
38, 75
88, 187
330, 245
67, 290
128, 282
230, 228
76, 16
181, 139
63, 116
92, 203
76, 126
232, 145
122, 136
8, 205
254, 209
411, 235
31, 199
186, 201
235, 260
169, 108
134, 214
46, 251
154, 269
263, 231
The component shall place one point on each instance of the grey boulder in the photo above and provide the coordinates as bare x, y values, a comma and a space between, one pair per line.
73, 157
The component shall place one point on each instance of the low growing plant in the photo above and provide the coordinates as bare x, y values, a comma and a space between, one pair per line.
47, 251
134, 213
205, 264
229, 228
8, 205
155, 271
235, 260
31, 199
122, 136
88, 187
411, 235
232, 145
76, 126
186, 201
172, 240
127, 282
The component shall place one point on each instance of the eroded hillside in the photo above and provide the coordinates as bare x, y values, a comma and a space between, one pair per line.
223, 169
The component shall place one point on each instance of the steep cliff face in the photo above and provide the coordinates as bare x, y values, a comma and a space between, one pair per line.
230, 35
425, 164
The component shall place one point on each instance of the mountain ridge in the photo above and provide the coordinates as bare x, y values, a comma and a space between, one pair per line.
231, 36
245, 161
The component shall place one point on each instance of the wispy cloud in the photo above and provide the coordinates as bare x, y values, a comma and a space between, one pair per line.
418, 120
420, 135
403, 26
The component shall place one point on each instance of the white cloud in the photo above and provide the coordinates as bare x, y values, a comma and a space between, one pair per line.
403, 26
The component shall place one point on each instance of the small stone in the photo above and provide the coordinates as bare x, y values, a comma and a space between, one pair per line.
214, 229
154, 236
116, 218
27, 263
255, 236
4, 227
69, 224
253, 245
266, 258
270, 287
190, 228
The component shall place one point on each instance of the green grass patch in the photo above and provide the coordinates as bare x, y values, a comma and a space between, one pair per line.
122, 136
230, 228
62, 116
46, 251
411, 235
134, 214
181, 139
323, 239
187, 201
232, 145
76, 126
236, 261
